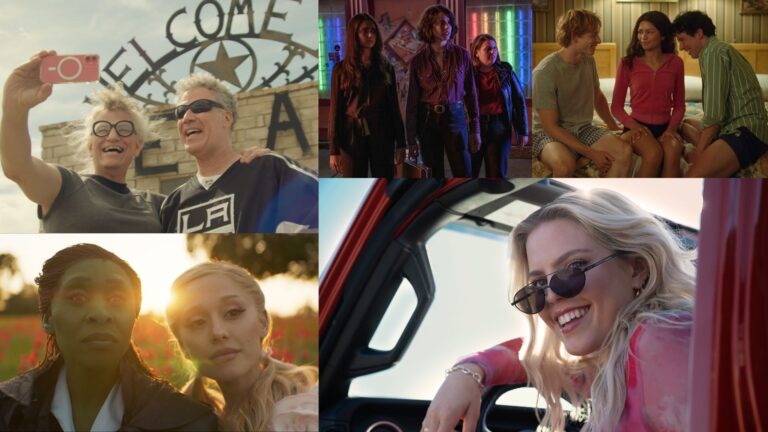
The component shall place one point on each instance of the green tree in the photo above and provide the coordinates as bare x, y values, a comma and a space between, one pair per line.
23, 302
9, 271
262, 254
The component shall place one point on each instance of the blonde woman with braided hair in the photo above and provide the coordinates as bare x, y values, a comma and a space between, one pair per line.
218, 316
608, 290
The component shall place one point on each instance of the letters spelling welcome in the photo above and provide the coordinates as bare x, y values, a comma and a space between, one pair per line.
236, 7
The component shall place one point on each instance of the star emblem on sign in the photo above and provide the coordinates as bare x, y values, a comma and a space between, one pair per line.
224, 66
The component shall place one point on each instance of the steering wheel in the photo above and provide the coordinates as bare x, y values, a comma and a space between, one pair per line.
490, 396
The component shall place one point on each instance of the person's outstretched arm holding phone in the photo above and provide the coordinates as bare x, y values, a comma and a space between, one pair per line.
39, 180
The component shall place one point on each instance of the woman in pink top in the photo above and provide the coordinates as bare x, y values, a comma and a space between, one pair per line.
654, 74
609, 294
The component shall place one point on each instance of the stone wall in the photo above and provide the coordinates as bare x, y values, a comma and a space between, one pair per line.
251, 130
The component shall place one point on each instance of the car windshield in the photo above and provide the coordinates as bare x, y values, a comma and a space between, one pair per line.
340, 201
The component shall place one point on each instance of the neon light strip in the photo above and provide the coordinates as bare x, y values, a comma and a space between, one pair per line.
510, 44
323, 85
497, 35
474, 25
339, 37
485, 22
521, 52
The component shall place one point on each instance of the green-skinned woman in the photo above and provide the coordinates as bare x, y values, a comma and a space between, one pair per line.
92, 378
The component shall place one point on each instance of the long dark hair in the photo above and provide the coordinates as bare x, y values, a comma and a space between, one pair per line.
663, 25
352, 67
48, 282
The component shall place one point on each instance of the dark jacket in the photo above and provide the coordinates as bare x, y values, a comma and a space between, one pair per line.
514, 99
150, 404
376, 102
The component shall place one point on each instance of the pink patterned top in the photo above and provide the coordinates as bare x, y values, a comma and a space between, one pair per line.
656, 372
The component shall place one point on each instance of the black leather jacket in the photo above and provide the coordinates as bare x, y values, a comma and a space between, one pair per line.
150, 404
514, 99
378, 106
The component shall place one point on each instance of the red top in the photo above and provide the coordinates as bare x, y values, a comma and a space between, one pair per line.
653, 94
489, 93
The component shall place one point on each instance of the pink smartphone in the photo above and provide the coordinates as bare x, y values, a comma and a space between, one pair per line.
69, 68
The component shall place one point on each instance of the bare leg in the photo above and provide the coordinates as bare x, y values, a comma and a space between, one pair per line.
560, 158
673, 152
690, 130
717, 160
650, 151
620, 150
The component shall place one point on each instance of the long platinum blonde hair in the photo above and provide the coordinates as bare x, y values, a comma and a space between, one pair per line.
277, 379
617, 224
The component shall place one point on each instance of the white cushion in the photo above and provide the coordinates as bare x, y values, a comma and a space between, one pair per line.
692, 88
762, 79
606, 85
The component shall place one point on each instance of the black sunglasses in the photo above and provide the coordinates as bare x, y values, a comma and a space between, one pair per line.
123, 128
566, 283
197, 107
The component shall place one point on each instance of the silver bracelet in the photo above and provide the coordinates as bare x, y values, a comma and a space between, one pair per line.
466, 371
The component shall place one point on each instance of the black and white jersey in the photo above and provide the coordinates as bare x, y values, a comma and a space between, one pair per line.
272, 194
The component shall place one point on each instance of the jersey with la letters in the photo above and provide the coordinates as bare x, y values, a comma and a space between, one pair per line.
272, 194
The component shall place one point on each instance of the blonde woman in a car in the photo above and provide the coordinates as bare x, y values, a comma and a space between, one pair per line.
609, 292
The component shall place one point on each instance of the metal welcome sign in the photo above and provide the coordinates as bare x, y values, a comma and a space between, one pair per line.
223, 35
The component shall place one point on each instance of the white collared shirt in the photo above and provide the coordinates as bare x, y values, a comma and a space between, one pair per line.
110, 415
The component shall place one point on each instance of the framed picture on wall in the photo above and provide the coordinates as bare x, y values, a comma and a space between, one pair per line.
541, 5
754, 7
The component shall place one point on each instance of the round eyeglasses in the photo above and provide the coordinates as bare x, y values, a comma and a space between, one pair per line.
123, 128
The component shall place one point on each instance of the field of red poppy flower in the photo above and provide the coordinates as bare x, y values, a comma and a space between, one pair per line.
22, 344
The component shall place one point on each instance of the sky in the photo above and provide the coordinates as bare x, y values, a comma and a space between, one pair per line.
158, 259
104, 27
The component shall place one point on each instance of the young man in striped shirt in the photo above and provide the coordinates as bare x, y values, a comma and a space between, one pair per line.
734, 131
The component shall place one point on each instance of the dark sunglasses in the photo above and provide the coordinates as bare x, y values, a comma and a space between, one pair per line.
197, 107
123, 128
566, 283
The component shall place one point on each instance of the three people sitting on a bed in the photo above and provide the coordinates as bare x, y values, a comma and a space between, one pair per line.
734, 131
732, 135
566, 92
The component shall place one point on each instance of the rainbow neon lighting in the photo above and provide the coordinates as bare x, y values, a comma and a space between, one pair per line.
510, 26
323, 53
331, 31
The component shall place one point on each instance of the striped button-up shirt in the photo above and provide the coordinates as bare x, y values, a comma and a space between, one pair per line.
732, 96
